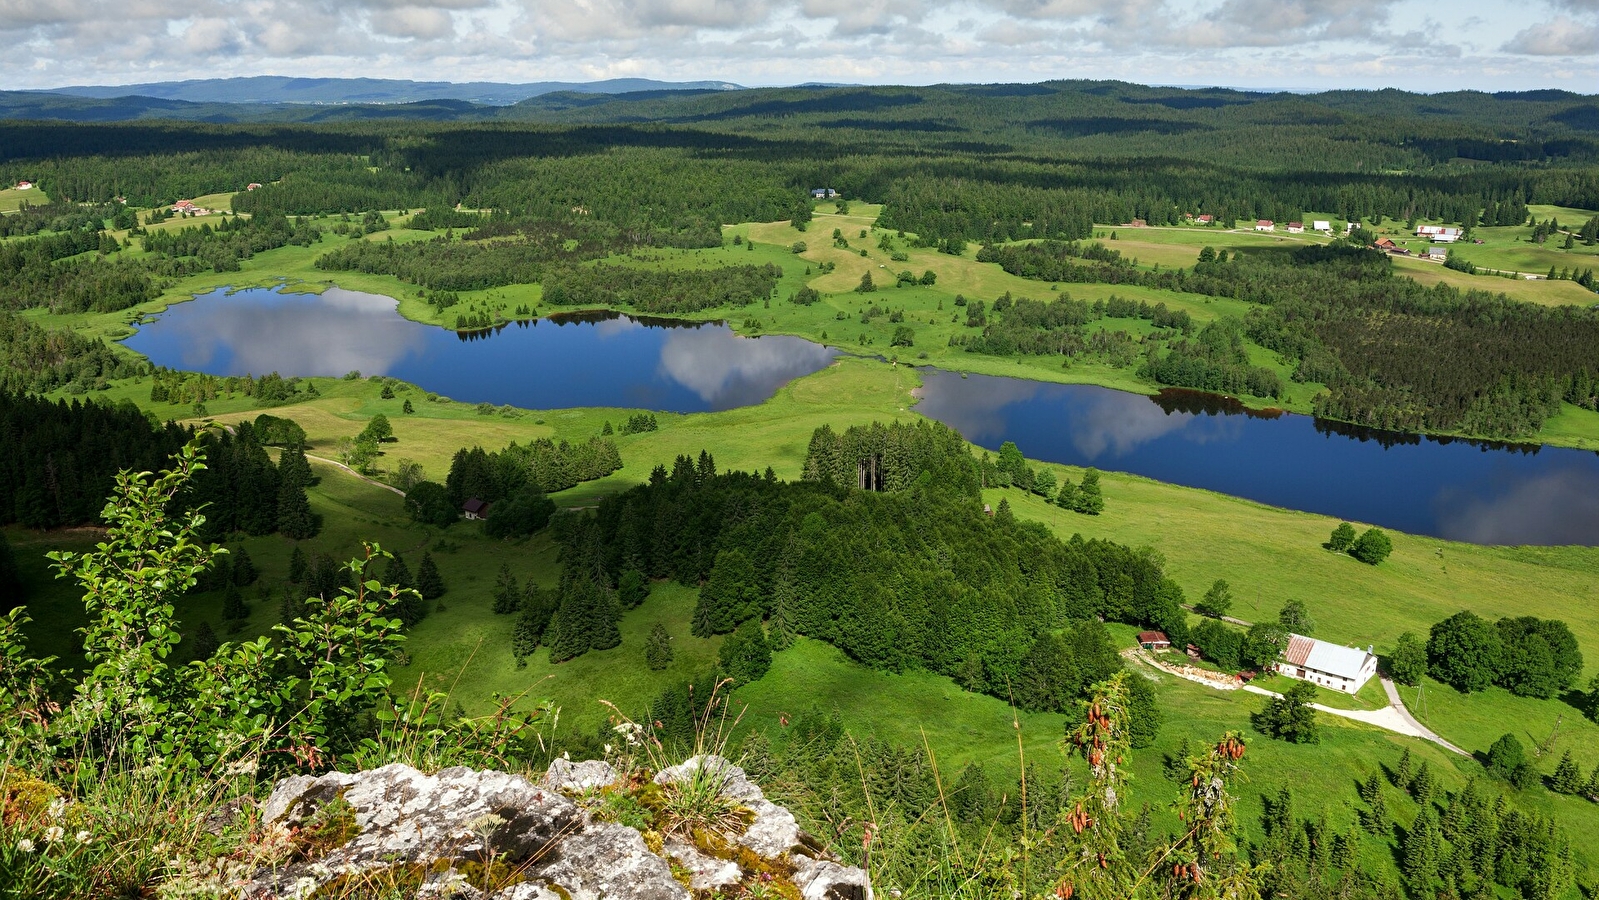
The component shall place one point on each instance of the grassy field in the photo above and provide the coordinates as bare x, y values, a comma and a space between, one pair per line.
1268, 555
12, 199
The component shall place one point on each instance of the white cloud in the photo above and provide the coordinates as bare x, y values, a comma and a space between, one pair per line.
1563, 36
1295, 43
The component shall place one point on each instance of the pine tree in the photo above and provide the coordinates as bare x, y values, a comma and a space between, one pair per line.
1345, 850
1067, 498
632, 588
428, 580
1567, 778
658, 648
297, 566
1003, 514
244, 571
782, 626
507, 594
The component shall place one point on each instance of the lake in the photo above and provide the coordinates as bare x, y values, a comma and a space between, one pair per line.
1456, 489
600, 359
1461, 490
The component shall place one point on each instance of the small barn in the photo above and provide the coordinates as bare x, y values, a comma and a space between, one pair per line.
1205, 220
1265, 225
475, 509
824, 193
1154, 640
1438, 253
1345, 669
252, 185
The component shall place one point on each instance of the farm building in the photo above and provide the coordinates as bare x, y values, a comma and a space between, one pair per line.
475, 509
823, 193
1205, 220
1321, 225
1296, 227
1153, 640
1265, 225
184, 206
24, 185
252, 185
1438, 253
1340, 668
1438, 233
1385, 244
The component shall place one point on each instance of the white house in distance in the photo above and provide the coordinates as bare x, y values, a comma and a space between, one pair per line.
1438, 233
1321, 225
1265, 225
24, 185
1340, 668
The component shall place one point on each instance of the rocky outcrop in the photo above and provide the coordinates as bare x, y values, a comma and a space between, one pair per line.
484, 835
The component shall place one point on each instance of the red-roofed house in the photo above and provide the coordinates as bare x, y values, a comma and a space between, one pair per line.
183, 206
252, 185
1296, 227
1153, 640
1204, 220
1345, 669
1265, 225
24, 185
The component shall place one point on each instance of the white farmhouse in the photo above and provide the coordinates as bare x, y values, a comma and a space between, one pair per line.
1345, 669
1321, 225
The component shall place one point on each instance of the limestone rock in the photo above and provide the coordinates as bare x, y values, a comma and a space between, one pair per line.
367, 823
610, 861
567, 776
705, 872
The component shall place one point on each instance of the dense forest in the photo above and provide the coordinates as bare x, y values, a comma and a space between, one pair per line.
907, 573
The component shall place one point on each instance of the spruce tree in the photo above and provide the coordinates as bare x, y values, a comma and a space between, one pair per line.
1422, 786
297, 566
397, 573
1089, 499
428, 580
632, 588
1402, 772
1067, 498
658, 648
507, 594
205, 642
1591, 788
1567, 778
233, 605
1422, 850
244, 571
607, 619
295, 518
531, 623
745, 655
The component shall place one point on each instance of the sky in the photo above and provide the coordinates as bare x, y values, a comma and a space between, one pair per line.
1421, 45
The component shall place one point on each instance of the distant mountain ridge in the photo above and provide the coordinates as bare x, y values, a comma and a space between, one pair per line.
330, 91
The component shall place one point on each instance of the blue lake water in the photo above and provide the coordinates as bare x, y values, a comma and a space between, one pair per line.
1462, 490
1456, 489
583, 360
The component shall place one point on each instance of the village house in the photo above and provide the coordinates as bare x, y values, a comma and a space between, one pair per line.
24, 185
1385, 244
1296, 227
1154, 640
1265, 225
824, 193
186, 206
1438, 253
1438, 233
1340, 668
475, 509
252, 185
1205, 220
1321, 225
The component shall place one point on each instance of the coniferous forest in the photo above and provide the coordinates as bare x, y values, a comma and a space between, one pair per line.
836, 568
